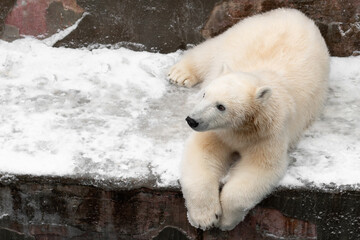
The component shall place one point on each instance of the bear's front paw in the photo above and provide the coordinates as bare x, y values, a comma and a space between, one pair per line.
205, 216
181, 75
229, 221
234, 208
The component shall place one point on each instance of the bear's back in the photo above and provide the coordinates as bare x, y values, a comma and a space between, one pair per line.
288, 43
281, 40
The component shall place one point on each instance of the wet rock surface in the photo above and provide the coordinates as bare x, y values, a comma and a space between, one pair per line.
65, 208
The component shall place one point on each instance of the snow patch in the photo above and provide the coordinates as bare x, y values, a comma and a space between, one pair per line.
111, 114
4, 215
81, 112
329, 152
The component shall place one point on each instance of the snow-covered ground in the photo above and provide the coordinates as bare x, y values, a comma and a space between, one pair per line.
111, 114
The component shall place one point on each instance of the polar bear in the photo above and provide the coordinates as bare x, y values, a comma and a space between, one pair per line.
265, 80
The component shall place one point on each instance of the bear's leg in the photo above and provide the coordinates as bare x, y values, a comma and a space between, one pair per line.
194, 65
250, 181
205, 161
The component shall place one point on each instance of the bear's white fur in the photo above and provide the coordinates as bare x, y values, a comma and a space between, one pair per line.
269, 73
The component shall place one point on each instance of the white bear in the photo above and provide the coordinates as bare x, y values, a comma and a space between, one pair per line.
265, 82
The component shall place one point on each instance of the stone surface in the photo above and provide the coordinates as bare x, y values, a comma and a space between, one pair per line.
40, 18
65, 208
334, 213
62, 208
5, 7
163, 26
338, 20
169, 25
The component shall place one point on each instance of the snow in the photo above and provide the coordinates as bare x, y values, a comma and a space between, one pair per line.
329, 152
111, 114
77, 112
3, 216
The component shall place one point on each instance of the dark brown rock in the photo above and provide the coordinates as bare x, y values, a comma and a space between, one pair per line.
5, 7
171, 233
163, 26
8, 234
334, 212
338, 20
61, 14
169, 25
39, 209
266, 223
63, 208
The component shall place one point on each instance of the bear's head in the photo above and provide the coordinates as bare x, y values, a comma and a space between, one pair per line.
230, 101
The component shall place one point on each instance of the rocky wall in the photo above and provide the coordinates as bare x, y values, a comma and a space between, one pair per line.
338, 20
62, 208
168, 25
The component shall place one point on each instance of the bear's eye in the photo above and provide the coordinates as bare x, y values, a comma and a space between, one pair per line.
203, 95
220, 107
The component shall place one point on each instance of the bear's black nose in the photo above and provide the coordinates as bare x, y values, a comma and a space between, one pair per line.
192, 123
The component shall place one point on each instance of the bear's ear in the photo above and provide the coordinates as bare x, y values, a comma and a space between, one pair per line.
263, 94
226, 69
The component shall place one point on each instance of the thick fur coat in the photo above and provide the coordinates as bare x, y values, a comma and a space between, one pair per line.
265, 80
